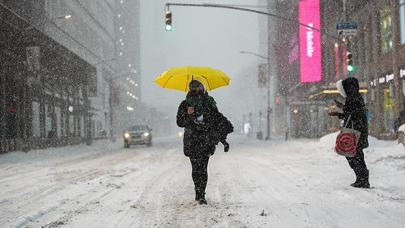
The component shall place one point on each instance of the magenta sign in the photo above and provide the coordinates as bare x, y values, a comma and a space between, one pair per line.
310, 41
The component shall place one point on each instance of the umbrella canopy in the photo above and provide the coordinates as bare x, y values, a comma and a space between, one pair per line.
179, 77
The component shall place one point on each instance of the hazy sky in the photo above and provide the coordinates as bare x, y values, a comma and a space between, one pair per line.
203, 36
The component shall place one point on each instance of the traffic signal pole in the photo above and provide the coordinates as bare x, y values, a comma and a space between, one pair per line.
344, 11
252, 11
347, 40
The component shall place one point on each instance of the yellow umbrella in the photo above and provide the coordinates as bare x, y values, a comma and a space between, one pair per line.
179, 77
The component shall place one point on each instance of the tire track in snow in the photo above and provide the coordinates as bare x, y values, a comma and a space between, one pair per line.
23, 203
139, 190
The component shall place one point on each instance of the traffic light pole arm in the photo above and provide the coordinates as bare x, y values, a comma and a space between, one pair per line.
260, 56
253, 11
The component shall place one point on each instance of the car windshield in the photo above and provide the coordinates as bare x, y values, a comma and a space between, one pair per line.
138, 128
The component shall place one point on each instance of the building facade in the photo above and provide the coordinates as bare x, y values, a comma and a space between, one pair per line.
89, 33
44, 96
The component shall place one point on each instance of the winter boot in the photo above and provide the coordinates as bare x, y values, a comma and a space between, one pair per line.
363, 180
357, 179
202, 200
199, 196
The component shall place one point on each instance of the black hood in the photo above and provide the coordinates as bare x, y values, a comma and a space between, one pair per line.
351, 86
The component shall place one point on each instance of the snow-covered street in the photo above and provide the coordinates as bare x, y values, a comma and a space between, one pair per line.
256, 184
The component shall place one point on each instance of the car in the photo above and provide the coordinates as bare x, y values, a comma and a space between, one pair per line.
137, 135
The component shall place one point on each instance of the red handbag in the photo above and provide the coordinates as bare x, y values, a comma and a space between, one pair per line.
346, 141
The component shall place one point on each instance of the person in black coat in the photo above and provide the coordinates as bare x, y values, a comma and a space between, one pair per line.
204, 126
354, 108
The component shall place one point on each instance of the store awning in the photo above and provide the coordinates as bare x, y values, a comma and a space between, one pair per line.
329, 93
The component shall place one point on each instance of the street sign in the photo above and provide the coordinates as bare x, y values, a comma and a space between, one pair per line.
346, 28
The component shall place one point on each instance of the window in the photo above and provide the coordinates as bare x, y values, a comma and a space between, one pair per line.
58, 121
364, 48
35, 120
71, 125
386, 30
402, 20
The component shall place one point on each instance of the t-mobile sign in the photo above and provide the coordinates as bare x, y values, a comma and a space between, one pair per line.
310, 41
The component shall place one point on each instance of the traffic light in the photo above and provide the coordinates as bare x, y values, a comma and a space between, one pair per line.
168, 19
349, 62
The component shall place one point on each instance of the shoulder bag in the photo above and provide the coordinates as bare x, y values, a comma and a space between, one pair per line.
346, 141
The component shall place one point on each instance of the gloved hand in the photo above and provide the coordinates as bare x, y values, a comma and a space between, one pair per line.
226, 145
333, 113
339, 104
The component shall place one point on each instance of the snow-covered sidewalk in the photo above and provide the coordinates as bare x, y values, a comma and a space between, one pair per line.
295, 183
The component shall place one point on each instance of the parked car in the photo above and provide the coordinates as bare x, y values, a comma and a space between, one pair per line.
137, 135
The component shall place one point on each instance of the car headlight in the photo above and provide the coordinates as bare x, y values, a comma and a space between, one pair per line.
146, 134
126, 135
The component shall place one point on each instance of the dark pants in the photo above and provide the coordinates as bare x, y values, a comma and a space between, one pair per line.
357, 162
199, 173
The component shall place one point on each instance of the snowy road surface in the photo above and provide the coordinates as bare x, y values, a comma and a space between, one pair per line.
257, 184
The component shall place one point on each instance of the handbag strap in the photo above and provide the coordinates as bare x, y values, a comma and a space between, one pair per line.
348, 119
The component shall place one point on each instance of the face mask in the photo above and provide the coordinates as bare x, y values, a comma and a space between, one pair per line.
196, 93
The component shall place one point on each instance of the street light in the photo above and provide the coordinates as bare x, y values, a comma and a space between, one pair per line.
269, 110
67, 16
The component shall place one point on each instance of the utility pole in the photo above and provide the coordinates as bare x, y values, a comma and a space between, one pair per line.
270, 83
344, 11
346, 40
110, 103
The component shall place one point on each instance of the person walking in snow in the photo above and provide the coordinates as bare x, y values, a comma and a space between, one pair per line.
204, 127
354, 108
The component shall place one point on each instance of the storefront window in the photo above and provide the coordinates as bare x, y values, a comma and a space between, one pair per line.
58, 121
402, 20
82, 126
78, 127
99, 130
71, 125
48, 118
386, 30
35, 120
63, 124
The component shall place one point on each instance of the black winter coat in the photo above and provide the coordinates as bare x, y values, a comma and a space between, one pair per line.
355, 108
201, 138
